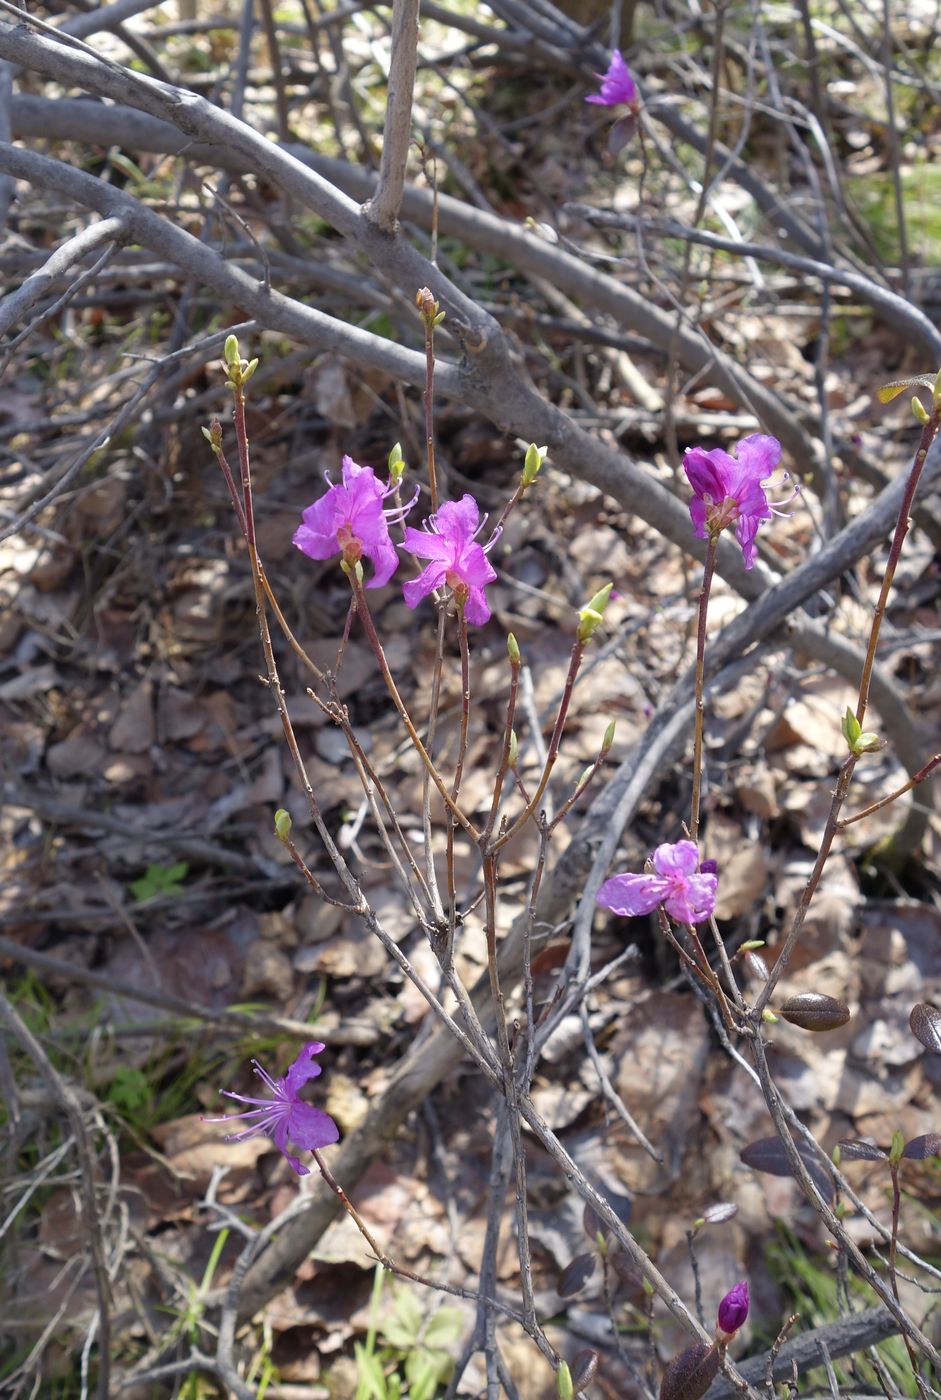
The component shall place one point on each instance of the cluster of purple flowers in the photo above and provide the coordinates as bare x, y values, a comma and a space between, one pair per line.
351, 520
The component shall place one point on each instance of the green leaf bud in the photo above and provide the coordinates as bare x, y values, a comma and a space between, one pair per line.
231, 353
282, 824
513, 649
535, 456
751, 944
851, 728
514, 748
563, 1381
396, 464
919, 410
769, 1016
590, 616
897, 1148
608, 739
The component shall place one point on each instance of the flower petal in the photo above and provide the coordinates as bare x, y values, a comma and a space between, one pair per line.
692, 901
429, 579
305, 1067
310, 1127
680, 858
631, 894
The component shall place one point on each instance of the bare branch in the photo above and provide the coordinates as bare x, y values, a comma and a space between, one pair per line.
383, 208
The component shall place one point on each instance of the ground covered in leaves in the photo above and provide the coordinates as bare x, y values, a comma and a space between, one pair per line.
155, 933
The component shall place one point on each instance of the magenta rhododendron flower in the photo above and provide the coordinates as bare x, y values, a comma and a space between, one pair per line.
686, 892
727, 489
617, 85
457, 557
733, 1311
351, 520
284, 1117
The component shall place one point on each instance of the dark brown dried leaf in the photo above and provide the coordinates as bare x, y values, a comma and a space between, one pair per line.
857, 1150
757, 966
584, 1368
815, 1011
689, 1375
925, 1023
575, 1275
768, 1155
593, 1225
919, 1148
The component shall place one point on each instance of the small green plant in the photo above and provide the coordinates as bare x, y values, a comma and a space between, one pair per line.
130, 1092
160, 879
413, 1357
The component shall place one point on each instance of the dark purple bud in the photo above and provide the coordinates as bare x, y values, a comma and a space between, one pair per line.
708, 867
733, 1311
689, 1375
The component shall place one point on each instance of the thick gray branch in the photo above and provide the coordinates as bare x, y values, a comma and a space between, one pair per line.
72, 251
383, 208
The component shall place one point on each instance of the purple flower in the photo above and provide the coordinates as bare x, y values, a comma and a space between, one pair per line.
284, 1116
733, 1311
686, 892
457, 558
351, 520
727, 490
617, 85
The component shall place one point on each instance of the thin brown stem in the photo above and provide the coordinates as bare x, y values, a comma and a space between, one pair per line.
704, 591
913, 782
429, 310
373, 637
552, 753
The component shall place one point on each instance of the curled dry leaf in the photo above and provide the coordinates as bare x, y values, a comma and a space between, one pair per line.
925, 1023
815, 1011
919, 1148
689, 1375
575, 1275
767, 1155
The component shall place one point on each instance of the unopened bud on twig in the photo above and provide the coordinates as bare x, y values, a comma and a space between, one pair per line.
563, 1382
396, 464
535, 456
857, 740
282, 824
213, 435
428, 307
589, 617
239, 371
513, 649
